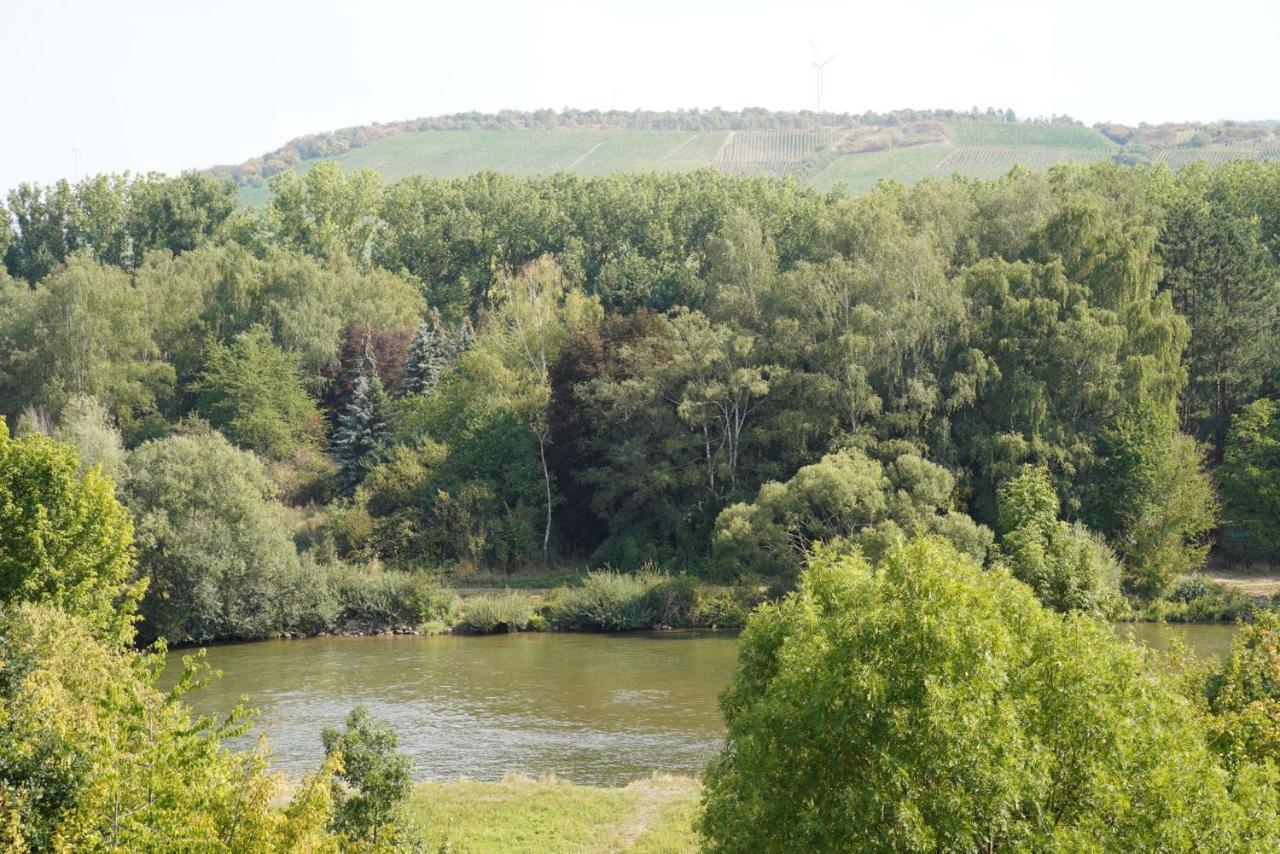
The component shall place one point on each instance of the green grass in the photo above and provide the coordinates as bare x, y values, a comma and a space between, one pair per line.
863, 171
519, 814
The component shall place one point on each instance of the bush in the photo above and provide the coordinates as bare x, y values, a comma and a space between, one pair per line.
721, 609
1068, 567
1197, 599
372, 598
927, 704
93, 757
495, 612
611, 602
370, 791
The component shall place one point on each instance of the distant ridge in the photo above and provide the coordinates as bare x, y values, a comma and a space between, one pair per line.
821, 148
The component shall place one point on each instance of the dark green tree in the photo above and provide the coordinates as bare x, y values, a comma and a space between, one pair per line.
1250, 480
363, 427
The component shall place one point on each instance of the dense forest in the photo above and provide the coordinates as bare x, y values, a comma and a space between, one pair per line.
1071, 374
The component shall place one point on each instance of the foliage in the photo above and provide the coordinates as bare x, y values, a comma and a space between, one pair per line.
1198, 599
1068, 567
495, 612
608, 366
926, 704
65, 539
212, 540
1250, 479
83, 330
618, 602
115, 218
1222, 279
370, 790
1243, 694
1152, 498
86, 425
846, 497
362, 428
252, 391
94, 757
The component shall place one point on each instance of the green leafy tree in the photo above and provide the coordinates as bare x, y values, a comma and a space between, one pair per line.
925, 704
88, 333
212, 540
1223, 280
87, 426
370, 791
326, 212
1069, 567
1152, 497
252, 391
535, 313
1250, 479
845, 498
94, 757
65, 539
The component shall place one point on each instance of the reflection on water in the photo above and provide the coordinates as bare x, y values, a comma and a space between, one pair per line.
592, 708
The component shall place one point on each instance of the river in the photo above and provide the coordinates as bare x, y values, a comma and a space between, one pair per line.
598, 709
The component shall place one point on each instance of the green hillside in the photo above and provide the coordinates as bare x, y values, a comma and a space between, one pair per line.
857, 156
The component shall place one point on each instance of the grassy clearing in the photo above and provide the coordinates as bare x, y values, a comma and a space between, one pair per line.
521, 814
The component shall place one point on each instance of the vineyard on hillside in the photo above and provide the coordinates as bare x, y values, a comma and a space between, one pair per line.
856, 156
785, 153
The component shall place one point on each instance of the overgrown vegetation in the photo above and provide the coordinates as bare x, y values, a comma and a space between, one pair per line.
926, 704
696, 372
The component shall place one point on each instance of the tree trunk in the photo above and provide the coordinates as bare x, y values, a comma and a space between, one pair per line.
546, 483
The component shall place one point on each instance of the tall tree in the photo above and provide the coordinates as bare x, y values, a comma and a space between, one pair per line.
535, 312
362, 429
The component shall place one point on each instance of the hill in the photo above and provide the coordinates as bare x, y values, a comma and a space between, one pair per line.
825, 150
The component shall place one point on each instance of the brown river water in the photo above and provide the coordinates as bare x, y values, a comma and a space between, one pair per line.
598, 709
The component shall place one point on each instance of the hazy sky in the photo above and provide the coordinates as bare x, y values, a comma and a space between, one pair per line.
171, 84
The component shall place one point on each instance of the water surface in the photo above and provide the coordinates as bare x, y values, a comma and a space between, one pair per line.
599, 709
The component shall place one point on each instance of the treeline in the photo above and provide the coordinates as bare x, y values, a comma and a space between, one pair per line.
332, 143
1072, 374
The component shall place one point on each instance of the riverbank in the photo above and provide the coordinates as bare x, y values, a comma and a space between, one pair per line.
653, 815
397, 603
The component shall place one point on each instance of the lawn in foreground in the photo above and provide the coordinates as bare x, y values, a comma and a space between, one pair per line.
521, 814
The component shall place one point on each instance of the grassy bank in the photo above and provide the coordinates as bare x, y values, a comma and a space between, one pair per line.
520, 814
364, 602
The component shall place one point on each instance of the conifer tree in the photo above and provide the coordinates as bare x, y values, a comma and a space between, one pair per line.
362, 429
426, 363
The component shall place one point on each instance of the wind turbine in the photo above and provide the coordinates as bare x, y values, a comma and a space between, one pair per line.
818, 65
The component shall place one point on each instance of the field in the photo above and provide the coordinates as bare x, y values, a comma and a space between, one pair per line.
520, 814
973, 149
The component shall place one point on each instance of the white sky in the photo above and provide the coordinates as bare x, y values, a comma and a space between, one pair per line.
172, 84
